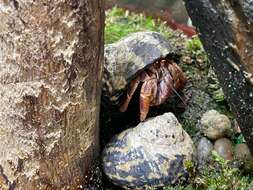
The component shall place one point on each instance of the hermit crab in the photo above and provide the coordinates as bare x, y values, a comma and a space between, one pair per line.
143, 59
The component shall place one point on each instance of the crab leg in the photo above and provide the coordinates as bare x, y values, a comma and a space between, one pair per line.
177, 75
147, 95
130, 92
164, 89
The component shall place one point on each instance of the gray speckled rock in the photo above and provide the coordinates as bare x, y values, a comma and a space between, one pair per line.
150, 155
204, 151
128, 56
215, 125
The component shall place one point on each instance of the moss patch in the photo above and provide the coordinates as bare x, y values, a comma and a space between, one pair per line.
120, 23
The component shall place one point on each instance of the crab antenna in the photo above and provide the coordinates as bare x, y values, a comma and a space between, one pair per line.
175, 91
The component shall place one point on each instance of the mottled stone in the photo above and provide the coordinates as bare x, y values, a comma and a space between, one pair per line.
223, 147
152, 154
243, 153
215, 125
204, 151
125, 58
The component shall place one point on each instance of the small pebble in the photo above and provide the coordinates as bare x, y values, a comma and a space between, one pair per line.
243, 153
204, 151
215, 125
223, 147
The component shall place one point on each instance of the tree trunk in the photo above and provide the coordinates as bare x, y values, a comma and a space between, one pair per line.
226, 30
51, 57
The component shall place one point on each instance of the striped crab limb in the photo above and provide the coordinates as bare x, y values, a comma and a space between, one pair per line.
147, 97
143, 76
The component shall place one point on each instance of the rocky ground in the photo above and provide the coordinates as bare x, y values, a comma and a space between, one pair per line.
223, 160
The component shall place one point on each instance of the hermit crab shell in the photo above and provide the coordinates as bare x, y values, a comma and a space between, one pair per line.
127, 57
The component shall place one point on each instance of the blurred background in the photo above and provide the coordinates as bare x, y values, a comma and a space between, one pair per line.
171, 11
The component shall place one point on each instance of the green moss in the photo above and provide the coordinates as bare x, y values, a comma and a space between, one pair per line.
238, 139
120, 23
194, 44
225, 109
189, 126
196, 50
220, 176
223, 176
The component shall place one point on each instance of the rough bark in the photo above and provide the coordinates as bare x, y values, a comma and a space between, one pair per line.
51, 56
226, 30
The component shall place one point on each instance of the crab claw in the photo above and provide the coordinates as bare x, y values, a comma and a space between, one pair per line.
147, 96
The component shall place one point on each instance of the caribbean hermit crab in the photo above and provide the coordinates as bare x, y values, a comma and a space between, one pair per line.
146, 59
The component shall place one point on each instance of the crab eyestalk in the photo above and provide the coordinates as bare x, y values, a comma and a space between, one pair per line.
159, 81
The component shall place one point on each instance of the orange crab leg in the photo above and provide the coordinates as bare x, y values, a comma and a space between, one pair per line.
143, 76
164, 90
148, 93
177, 75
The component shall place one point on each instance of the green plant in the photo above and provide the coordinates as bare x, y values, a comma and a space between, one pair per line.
189, 126
218, 176
222, 176
196, 50
119, 23
194, 44
238, 139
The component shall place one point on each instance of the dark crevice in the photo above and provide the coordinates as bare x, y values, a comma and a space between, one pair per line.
11, 186
16, 4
